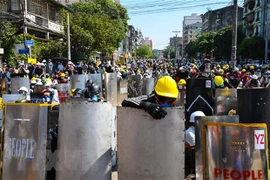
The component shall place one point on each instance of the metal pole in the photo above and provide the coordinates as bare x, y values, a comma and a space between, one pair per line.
68, 37
266, 30
234, 35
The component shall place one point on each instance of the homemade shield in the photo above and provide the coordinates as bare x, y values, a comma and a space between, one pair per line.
253, 106
63, 91
16, 83
148, 86
134, 86
3, 86
111, 88
96, 78
25, 137
199, 95
199, 121
235, 151
148, 148
122, 88
77, 81
84, 141
225, 100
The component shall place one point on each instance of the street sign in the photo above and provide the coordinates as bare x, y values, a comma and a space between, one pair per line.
29, 43
1, 50
24, 51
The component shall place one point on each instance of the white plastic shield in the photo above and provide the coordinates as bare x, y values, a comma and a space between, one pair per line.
148, 148
17, 82
199, 121
235, 151
97, 79
148, 86
63, 91
122, 91
77, 81
25, 137
111, 88
84, 141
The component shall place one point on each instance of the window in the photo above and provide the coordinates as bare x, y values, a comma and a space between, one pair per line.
190, 32
190, 36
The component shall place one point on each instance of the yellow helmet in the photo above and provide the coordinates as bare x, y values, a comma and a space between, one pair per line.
167, 87
243, 70
182, 82
221, 71
218, 66
232, 112
33, 79
63, 75
251, 67
218, 80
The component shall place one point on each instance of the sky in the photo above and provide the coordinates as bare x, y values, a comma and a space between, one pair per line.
166, 16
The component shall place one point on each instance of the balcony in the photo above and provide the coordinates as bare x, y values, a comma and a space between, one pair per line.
44, 22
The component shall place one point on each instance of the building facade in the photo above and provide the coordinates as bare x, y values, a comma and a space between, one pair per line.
133, 39
176, 44
191, 25
216, 19
254, 18
149, 42
40, 18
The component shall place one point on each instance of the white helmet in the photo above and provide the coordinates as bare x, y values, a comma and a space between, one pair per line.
23, 88
254, 76
195, 114
48, 84
39, 83
33, 82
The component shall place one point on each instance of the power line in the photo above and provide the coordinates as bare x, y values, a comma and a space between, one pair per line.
171, 4
175, 8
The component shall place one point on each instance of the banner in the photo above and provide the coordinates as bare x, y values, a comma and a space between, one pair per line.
32, 61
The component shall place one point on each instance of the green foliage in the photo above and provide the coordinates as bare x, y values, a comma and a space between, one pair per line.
168, 50
99, 25
144, 51
252, 48
191, 49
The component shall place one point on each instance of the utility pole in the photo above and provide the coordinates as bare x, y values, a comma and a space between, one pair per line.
266, 30
175, 42
234, 35
68, 37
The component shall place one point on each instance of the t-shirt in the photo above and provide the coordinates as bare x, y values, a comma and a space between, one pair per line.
190, 136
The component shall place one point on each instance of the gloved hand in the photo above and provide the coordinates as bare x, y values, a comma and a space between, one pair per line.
155, 110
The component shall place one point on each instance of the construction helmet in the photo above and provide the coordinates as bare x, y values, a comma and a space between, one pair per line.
195, 114
182, 82
218, 80
62, 74
243, 70
23, 88
166, 87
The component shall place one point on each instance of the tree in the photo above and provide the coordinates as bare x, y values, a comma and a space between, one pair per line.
99, 25
144, 51
192, 49
169, 50
205, 42
252, 48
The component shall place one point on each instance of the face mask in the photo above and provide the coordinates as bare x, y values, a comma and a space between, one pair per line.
180, 87
165, 105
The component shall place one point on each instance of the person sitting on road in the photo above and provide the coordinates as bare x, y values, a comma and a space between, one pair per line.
23, 90
253, 82
164, 95
190, 143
